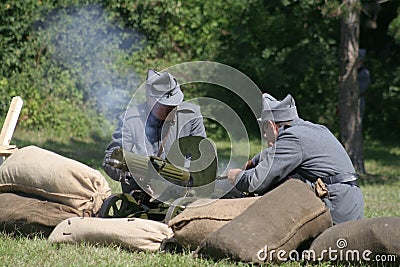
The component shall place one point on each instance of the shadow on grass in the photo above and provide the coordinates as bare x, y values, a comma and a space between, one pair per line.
382, 153
386, 157
371, 179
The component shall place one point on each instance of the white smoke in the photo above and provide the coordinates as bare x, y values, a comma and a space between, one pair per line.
90, 45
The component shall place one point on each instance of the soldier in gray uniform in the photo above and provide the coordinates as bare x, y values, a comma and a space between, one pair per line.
151, 128
303, 150
364, 80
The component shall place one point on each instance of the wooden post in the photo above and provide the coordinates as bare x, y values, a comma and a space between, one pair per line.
8, 128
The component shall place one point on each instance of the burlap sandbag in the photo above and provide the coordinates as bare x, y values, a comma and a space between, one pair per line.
285, 219
131, 233
27, 215
39, 172
360, 240
203, 217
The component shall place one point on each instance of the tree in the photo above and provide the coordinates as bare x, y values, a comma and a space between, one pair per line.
284, 46
349, 115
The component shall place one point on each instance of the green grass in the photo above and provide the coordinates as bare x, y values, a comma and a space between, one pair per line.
381, 185
89, 151
22, 251
38, 252
381, 188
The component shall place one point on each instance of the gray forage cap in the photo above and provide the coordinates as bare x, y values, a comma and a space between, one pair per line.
164, 88
275, 110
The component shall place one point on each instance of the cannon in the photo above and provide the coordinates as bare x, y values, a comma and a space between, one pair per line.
165, 186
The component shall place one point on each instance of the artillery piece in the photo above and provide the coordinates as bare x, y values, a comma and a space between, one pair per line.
165, 186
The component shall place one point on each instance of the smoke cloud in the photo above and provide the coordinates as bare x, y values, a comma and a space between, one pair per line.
96, 49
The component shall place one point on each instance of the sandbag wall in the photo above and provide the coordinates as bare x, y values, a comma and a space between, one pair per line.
205, 216
134, 234
366, 241
42, 192
286, 219
39, 189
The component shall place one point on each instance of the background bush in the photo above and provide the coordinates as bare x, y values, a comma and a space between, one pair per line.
77, 63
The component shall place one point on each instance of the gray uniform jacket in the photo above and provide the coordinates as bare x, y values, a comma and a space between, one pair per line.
311, 151
141, 133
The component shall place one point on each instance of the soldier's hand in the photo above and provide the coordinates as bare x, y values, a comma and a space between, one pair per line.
232, 175
113, 163
249, 165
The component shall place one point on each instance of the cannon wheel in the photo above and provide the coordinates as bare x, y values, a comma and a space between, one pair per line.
177, 207
119, 206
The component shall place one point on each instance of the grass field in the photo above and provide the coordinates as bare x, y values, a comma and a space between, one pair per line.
381, 188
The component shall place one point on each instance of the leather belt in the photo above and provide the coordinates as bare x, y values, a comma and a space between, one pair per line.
342, 178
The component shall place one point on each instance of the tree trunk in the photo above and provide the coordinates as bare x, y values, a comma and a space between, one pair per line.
349, 114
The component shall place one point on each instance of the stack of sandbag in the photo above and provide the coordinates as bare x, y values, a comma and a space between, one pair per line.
367, 241
135, 234
204, 216
275, 227
27, 215
48, 181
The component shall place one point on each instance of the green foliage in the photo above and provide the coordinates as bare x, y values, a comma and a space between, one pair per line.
280, 44
394, 28
177, 31
51, 97
74, 61
27, 71
63, 60
15, 19
383, 95
383, 98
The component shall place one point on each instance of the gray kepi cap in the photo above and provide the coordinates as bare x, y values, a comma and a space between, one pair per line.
163, 87
275, 110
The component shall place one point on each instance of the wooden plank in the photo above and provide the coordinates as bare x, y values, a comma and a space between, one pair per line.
11, 121
3, 147
6, 151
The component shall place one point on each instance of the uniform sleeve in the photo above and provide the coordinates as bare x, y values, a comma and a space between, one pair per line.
274, 167
115, 143
198, 128
256, 159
